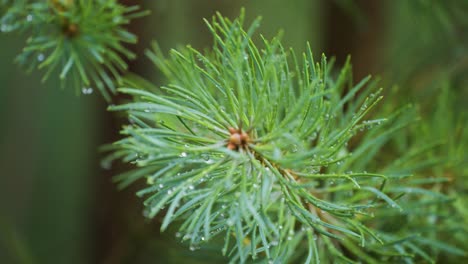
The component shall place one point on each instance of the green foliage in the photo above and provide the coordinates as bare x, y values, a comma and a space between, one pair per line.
429, 53
427, 37
82, 42
268, 151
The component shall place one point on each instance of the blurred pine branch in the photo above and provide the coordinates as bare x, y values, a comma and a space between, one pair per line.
79, 41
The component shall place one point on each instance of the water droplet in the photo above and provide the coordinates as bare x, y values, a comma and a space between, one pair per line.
205, 156
29, 18
40, 57
178, 234
203, 238
161, 185
314, 135
192, 248
289, 237
85, 90
183, 155
294, 149
191, 187
230, 222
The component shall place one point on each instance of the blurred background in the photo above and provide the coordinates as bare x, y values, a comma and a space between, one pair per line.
58, 205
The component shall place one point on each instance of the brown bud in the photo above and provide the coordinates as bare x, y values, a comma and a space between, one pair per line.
235, 139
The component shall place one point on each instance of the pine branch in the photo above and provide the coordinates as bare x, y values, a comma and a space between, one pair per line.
251, 144
82, 42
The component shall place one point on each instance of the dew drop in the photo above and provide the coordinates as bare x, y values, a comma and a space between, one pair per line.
40, 57
29, 18
191, 187
294, 149
183, 155
314, 135
117, 20
88, 90
178, 234
161, 185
